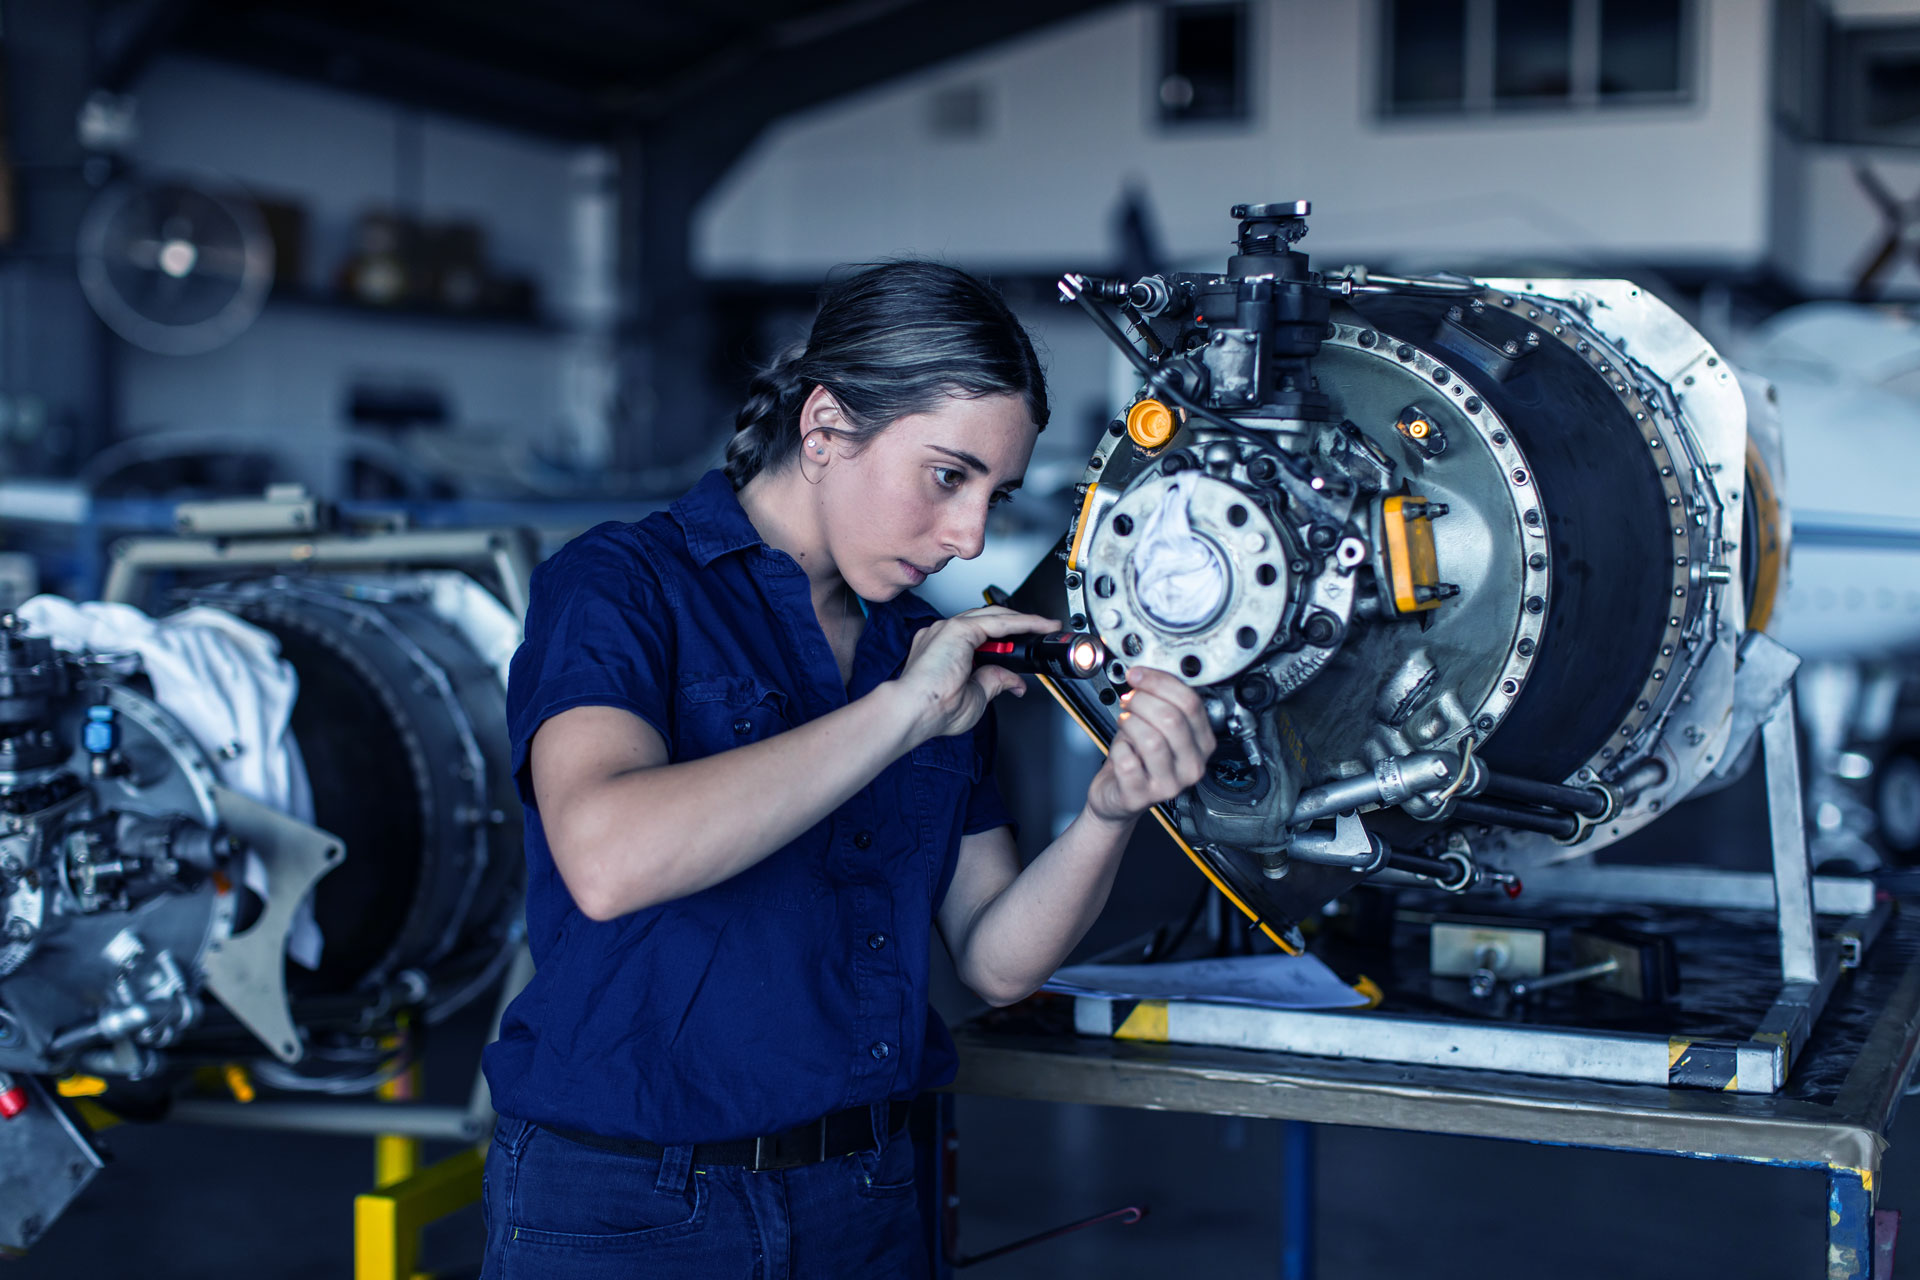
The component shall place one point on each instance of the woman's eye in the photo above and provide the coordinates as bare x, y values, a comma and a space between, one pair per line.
999, 498
948, 477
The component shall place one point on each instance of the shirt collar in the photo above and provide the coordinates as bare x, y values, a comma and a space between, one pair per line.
713, 519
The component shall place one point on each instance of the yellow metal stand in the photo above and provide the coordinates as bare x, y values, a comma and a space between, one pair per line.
387, 1220
396, 1157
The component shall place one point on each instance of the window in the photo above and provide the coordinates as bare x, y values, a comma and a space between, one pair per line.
1429, 54
1203, 74
1874, 83
1460, 56
1532, 52
1802, 35
1640, 48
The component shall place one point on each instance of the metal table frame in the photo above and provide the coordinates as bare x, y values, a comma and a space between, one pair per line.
1845, 1138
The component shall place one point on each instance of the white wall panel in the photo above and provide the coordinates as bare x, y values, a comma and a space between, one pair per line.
1071, 124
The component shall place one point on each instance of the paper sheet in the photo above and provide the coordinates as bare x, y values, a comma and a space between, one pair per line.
1267, 982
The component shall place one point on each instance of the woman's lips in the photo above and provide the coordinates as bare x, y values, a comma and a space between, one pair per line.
915, 574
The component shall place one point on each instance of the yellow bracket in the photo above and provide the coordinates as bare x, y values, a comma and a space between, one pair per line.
1082, 528
1767, 539
1412, 562
80, 1086
387, 1220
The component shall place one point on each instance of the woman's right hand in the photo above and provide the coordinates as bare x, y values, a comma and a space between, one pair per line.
942, 689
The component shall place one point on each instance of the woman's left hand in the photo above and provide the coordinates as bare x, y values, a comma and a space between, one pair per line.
1162, 747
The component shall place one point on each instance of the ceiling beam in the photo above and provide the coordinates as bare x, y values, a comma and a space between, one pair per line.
129, 35
345, 55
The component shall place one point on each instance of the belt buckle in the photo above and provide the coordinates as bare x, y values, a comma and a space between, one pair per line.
791, 1149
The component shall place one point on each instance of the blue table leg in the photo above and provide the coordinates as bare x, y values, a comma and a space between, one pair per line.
1296, 1191
936, 1142
1849, 1225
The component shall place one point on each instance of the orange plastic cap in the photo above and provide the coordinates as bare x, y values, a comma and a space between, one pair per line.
1150, 423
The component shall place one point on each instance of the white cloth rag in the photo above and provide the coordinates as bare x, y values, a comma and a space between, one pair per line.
1178, 577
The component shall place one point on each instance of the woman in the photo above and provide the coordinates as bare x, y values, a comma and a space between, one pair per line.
756, 773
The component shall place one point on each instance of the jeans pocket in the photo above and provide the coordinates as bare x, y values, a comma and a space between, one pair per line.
888, 1171
573, 1196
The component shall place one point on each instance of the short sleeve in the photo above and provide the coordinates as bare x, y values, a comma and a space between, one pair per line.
596, 635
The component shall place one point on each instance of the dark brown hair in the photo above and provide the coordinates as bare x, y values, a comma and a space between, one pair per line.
890, 340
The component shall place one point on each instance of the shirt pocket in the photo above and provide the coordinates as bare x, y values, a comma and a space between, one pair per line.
953, 754
719, 713
942, 772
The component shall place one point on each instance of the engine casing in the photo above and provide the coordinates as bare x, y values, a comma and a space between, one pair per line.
1462, 567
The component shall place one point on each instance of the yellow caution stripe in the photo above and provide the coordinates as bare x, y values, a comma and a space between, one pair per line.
1703, 1064
1140, 1020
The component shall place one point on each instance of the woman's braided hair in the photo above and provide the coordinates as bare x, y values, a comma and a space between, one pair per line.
889, 341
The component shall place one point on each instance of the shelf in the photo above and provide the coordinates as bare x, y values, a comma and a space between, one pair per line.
311, 300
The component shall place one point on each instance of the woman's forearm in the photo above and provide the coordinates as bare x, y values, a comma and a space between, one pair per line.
1020, 937
649, 835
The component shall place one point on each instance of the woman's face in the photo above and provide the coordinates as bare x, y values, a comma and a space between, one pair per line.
917, 495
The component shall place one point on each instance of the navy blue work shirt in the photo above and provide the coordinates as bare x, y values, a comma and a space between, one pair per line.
798, 987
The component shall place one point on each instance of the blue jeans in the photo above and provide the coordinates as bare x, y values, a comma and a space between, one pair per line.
557, 1210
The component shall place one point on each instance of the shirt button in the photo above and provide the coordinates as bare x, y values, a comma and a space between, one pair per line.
876, 940
880, 1049
743, 727
863, 839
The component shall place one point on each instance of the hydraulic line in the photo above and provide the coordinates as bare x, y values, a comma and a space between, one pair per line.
1561, 826
1421, 865
1505, 786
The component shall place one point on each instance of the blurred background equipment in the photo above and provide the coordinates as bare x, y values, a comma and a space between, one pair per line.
262, 834
174, 266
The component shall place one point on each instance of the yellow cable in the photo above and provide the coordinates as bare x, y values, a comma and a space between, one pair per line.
1166, 823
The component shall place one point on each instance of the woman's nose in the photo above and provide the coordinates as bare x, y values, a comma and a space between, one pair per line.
967, 536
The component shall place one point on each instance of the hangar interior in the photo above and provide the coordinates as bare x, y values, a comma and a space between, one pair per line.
1504, 413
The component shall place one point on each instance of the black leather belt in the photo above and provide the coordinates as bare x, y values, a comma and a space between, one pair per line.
840, 1134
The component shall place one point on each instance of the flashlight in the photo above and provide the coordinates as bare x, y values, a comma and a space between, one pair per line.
1064, 655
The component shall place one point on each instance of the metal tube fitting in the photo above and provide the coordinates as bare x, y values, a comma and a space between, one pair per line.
1393, 780
1331, 849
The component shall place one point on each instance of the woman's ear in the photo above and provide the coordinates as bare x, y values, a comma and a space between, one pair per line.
820, 417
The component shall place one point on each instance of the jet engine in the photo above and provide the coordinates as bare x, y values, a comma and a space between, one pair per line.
147, 907
1461, 567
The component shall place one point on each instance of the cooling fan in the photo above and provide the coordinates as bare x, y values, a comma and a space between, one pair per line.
177, 266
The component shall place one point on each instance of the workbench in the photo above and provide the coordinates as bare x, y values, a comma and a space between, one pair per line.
1834, 1113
